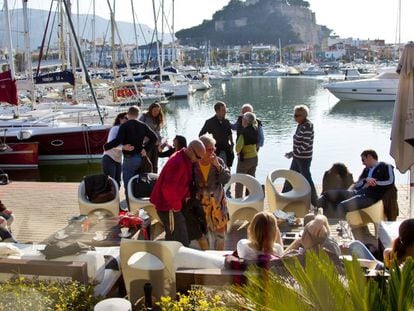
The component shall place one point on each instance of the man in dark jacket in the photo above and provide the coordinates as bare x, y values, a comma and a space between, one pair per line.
220, 128
131, 136
375, 180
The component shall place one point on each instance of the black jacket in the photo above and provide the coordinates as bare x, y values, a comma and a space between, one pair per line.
133, 132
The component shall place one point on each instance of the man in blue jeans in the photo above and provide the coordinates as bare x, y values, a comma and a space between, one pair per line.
131, 136
375, 180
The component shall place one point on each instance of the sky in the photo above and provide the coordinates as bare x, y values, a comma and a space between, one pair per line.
363, 19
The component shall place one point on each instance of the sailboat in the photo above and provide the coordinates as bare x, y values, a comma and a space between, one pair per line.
58, 135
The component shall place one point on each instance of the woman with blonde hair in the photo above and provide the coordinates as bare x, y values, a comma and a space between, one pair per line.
315, 234
210, 175
263, 238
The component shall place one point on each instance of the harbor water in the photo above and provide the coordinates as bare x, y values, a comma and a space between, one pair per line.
342, 129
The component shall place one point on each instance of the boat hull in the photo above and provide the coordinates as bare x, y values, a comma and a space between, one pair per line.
19, 155
77, 143
364, 94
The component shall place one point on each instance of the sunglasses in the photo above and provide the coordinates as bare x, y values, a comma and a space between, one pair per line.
297, 115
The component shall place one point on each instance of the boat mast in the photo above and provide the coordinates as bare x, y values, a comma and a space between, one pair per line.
174, 51
9, 37
93, 35
85, 69
28, 53
135, 32
156, 38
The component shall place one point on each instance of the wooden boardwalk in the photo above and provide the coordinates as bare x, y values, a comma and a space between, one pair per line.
42, 208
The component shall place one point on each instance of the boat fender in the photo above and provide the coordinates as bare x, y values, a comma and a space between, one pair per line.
24, 134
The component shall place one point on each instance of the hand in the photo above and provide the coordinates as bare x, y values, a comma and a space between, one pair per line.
388, 256
143, 153
289, 155
371, 182
128, 147
214, 161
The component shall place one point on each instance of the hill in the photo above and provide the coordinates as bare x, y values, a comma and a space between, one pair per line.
37, 26
258, 22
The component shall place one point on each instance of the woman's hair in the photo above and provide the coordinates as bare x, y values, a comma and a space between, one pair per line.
119, 117
404, 240
317, 230
250, 117
302, 110
263, 232
340, 169
181, 142
158, 119
208, 139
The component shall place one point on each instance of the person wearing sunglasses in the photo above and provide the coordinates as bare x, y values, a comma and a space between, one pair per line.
172, 189
302, 149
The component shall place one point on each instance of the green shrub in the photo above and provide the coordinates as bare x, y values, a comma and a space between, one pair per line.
22, 294
318, 287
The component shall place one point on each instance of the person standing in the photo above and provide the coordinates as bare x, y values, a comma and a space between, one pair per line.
131, 135
302, 150
210, 175
112, 158
220, 128
237, 126
172, 189
154, 118
246, 148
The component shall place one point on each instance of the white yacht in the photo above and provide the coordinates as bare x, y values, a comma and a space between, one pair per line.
379, 88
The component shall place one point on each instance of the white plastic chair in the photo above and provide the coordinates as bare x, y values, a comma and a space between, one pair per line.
296, 200
137, 203
86, 206
371, 214
246, 207
149, 262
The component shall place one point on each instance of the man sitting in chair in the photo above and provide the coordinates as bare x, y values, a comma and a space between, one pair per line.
375, 180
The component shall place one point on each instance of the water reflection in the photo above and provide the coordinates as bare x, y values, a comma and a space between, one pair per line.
376, 111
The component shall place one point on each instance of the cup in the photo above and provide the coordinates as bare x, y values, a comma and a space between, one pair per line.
99, 235
124, 231
60, 234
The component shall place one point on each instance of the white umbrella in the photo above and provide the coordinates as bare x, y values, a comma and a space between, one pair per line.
402, 132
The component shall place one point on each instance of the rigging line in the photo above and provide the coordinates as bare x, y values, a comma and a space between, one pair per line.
82, 61
50, 35
43, 40
103, 43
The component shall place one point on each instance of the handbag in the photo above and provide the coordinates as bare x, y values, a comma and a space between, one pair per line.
143, 185
146, 166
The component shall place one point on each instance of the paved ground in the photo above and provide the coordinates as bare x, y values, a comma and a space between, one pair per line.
42, 208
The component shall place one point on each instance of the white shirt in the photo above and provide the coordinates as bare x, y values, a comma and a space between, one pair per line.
245, 251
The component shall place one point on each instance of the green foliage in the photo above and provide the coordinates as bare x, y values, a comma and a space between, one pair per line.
318, 285
21, 294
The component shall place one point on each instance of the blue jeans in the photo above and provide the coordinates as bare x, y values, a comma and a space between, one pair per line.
340, 202
302, 166
130, 166
112, 168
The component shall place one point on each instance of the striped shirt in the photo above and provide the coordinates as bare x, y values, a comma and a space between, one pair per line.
303, 141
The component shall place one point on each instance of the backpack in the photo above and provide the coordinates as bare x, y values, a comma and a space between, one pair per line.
99, 188
143, 185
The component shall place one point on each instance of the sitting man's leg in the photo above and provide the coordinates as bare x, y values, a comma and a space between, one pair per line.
331, 198
354, 203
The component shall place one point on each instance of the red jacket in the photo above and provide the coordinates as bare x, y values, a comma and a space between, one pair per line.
173, 183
